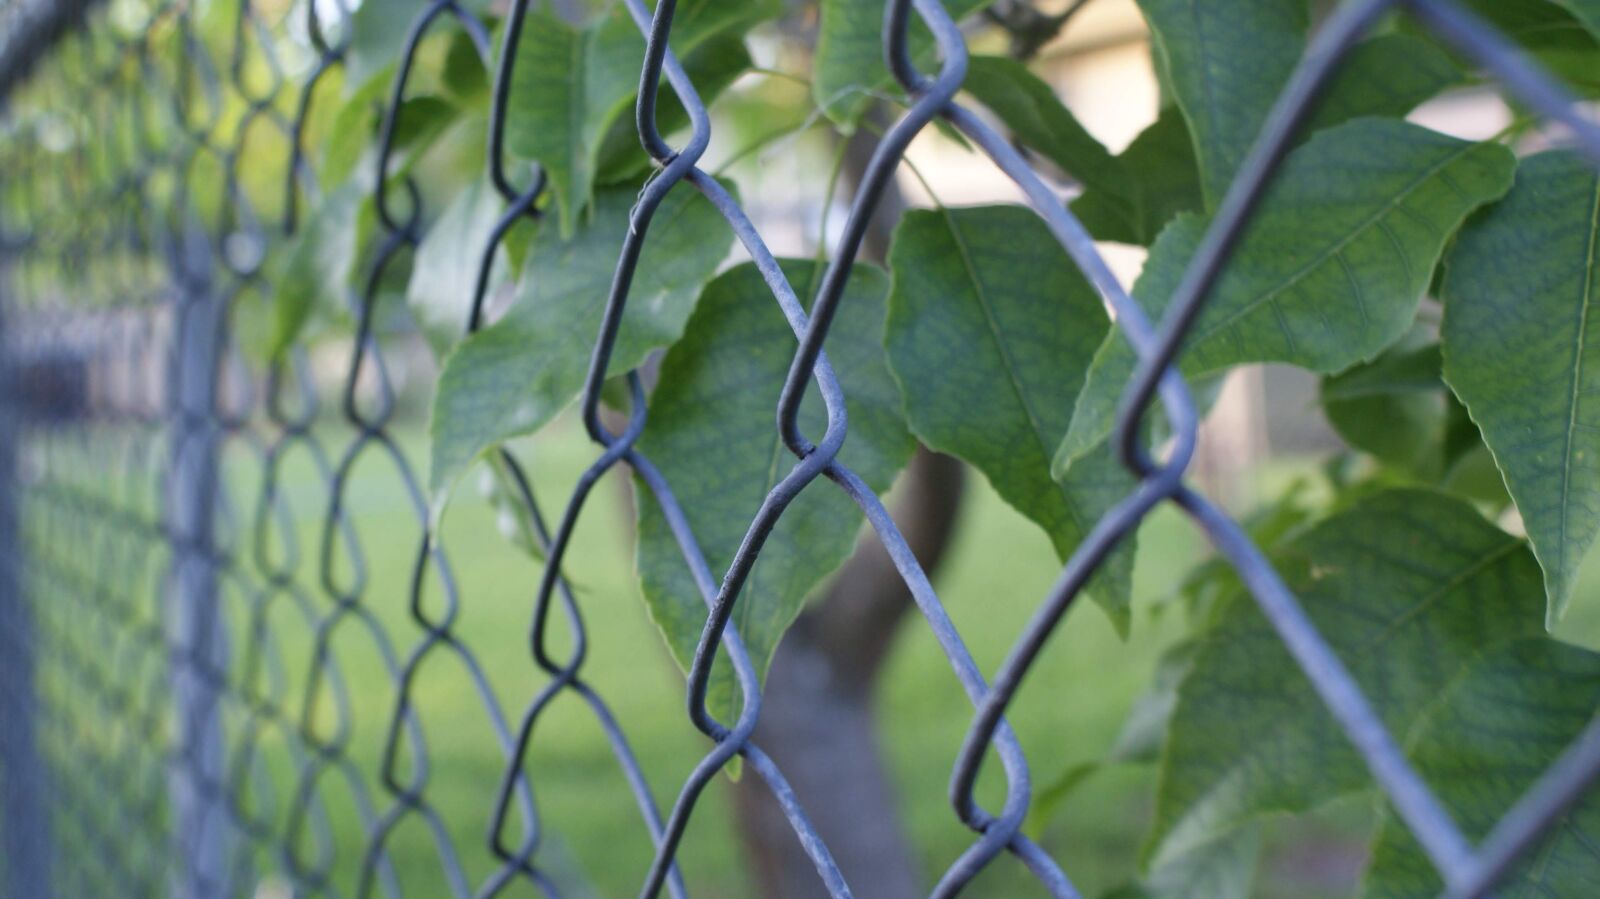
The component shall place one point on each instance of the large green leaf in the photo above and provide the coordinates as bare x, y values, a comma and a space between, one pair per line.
849, 68
1388, 75
1226, 63
1393, 407
571, 84
1331, 268
515, 375
712, 436
1520, 284
568, 85
1164, 179
1549, 31
1585, 11
1030, 108
1481, 747
991, 328
445, 272
1407, 587
1223, 868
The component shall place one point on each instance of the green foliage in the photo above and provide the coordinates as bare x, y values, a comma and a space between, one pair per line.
850, 70
1039, 119
1408, 587
991, 328
569, 84
712, 65
1225, 64
1487, 736
378, 32
1393, 407
445, 271
1164, 180
572, 86
327, 255
711, 435
1130, 198
1551, 33
1224, 866
317, 266
1519, 288
988, 344
1585, 11
1388, 75
1329, 272
515, 375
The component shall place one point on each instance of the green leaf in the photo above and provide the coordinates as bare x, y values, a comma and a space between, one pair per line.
1388, 75
1030, 108
464, 76
1137, 743
353, 128
1146, 727
1393, 407
445, 272
317, 268
1585, 11
351, 148
1330, 270
515, 375
990, 330
712, 436
568, 84
1551, 33
1226, 63
1165, 181
712, 66
512, 518
571, 84
378, 31
1214, 581
1520, 285
1218, 869
699, 20
1483, 745
1407, 587
849, 68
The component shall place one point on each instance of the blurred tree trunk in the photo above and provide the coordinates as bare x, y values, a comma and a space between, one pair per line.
817, 718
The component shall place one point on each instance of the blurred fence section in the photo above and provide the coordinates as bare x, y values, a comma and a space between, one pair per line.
178, 647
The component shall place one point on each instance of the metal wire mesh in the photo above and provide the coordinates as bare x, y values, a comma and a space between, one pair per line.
151, 613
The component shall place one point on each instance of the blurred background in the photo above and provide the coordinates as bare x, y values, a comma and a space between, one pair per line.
899, 725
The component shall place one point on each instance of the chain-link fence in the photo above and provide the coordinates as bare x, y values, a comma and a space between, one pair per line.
183, 656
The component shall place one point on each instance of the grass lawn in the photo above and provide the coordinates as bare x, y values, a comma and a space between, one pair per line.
998, 570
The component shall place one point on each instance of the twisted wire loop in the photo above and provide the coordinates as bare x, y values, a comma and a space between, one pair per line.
191, 635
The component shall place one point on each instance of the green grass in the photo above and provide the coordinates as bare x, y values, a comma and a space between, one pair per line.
999, 568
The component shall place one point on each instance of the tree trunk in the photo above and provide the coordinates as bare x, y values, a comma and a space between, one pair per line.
817, 718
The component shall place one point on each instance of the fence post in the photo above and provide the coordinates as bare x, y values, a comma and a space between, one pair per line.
25, 835
194, 617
